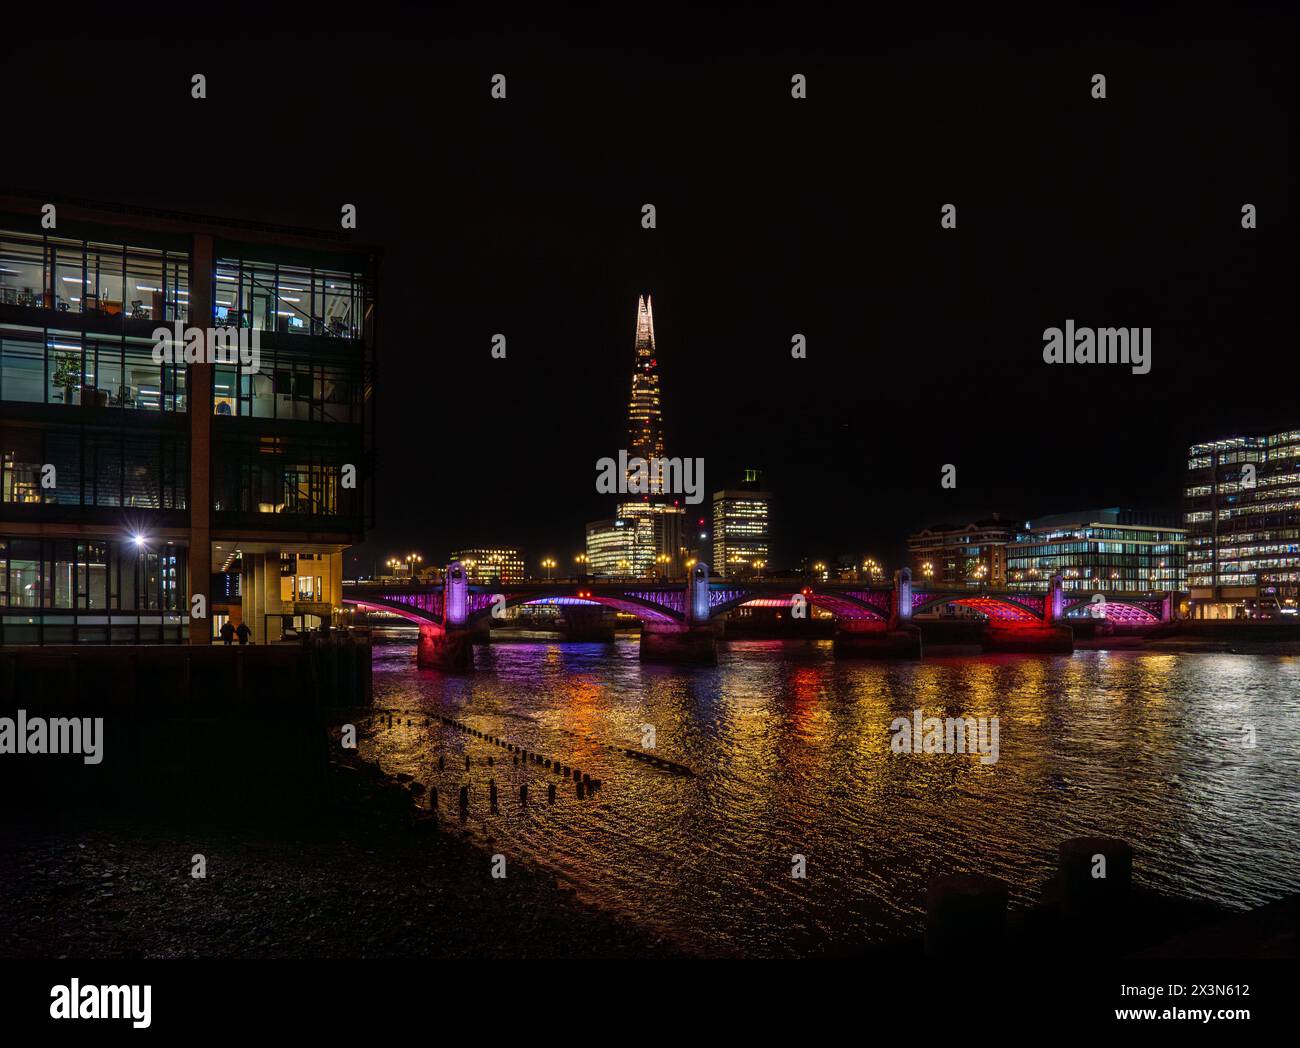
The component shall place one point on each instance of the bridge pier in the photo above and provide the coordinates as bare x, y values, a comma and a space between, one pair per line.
673, 643
451, 651
1049, 637
1028, 638
449, 645
583, 622
693, 641
874, 639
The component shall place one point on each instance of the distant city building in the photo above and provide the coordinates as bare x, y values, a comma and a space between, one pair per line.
622, 547
1243, 545
666, 522
491, 562
951, 556
1099, 551
641, 532
645, 432
741, 527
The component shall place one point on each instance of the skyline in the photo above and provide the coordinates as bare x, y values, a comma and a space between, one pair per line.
728, 484
777, 217
646, 442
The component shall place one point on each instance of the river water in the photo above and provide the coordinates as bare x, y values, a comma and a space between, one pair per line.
791, 754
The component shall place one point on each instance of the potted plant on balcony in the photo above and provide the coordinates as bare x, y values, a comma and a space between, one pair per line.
67, 374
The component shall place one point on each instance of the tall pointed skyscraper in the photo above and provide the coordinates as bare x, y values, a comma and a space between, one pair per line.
644, 537
645, 417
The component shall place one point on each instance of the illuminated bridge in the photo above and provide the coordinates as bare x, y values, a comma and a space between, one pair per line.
679, 619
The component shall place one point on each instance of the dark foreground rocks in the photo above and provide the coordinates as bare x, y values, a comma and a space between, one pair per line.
370, 878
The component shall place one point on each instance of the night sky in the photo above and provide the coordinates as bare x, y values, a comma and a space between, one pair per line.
775, 216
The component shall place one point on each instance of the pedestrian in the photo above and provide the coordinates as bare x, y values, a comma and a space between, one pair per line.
227, 632
244, 633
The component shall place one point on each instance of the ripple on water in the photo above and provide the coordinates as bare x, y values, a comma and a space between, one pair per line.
791, 755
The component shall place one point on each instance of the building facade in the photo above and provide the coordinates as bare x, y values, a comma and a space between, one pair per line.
133, 479
646, 535
483, 563
742, 527
951, 556
1242, 511
622, 547
1099, 551
645, 430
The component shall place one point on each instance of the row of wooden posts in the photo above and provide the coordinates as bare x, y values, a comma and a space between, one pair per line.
584, 784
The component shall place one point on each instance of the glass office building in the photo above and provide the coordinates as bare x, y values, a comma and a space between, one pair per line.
623, 547
1099, 551
741, 527
1242, 511
132, 479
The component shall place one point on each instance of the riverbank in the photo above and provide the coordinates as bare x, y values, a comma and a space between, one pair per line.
363, 880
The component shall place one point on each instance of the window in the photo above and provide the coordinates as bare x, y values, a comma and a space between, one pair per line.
25, 584
20, 466
59, 367
102, 475
142, 376
23, 270
274, 476
22, 367
141, 474
99, 279
69, 278
291, 385
292, 300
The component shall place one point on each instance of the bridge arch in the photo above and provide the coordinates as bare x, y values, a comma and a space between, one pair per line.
631, 604
1126, 612
1024, 609
425, 608
842, 606
410, 611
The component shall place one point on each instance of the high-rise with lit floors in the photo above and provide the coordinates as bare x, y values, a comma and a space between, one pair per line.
741, 520
644, 535
1242, 511
645, 432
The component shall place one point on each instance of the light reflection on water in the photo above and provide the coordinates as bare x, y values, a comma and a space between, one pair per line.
791, 754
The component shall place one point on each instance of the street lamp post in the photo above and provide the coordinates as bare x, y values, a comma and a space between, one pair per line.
548, 564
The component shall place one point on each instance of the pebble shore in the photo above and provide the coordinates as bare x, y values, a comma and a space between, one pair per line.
372, 879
